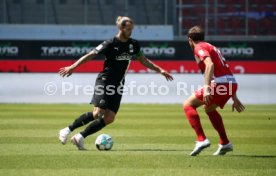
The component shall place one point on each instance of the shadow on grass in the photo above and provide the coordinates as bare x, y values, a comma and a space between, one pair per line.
133, 150
153, 150
255, 156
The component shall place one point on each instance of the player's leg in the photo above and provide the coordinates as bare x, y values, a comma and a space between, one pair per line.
106, 107
219, 100
80, 121
102, 118
217, 122
85, 118
189, 107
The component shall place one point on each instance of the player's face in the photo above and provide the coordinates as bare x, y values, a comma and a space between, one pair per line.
191, 43
127, 30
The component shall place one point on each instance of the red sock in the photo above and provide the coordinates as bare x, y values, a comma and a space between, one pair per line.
217, 122
194, 120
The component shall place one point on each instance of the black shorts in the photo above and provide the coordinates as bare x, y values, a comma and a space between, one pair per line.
107, 95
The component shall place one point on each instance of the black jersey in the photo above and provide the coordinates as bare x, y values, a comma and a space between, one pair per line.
117, 58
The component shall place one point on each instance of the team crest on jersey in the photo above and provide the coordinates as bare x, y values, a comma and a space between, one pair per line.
201, 52
131, 48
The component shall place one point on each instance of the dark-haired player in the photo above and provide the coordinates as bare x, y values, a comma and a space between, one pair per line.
220, 85
118, 52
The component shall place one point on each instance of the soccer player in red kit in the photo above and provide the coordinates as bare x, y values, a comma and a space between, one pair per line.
220, 85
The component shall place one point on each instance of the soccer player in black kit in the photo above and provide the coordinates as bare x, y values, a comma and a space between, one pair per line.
118, 52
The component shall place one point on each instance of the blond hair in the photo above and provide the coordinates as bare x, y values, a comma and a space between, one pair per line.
121, 19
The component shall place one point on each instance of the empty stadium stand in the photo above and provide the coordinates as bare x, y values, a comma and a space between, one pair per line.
219, 17
229, 17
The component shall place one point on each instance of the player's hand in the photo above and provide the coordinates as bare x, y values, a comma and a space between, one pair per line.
66, 71
237, 105
166, 75
207, 97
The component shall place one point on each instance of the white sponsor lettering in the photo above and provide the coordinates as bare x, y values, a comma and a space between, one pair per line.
230, 51
9, 50
65, 51
155, 51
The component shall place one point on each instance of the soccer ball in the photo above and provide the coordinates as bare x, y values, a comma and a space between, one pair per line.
104, 142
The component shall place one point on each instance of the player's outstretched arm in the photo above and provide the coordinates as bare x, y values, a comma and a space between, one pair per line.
67, 71
237, 105
147, 63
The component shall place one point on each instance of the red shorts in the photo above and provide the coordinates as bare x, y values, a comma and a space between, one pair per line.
221, 93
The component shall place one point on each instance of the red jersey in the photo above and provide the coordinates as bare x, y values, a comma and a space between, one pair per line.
203, 50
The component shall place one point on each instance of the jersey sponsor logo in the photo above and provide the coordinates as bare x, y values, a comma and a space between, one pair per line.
124, 56
6, 49
116, 48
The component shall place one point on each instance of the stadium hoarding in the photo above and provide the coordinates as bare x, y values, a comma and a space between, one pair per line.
45, 56
68, 50
157, 50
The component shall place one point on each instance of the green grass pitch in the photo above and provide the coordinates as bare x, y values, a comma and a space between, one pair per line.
148, 140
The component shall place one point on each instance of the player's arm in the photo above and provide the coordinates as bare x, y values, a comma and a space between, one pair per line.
67, 71
237, 105
147, 63
209, 73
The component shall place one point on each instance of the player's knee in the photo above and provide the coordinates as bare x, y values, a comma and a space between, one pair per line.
209, 109
186, 104
98, 113
109, 119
